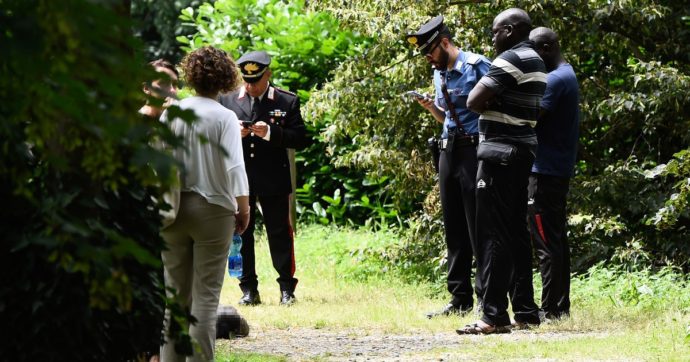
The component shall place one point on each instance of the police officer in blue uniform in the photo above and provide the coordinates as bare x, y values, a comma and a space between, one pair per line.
271, 123
456, 73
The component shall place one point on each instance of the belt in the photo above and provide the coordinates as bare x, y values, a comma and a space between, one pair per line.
468, 140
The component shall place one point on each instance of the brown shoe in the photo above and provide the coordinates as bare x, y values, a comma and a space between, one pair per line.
480, 327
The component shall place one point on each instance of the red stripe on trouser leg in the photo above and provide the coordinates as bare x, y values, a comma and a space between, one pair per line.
540, 228
292, 251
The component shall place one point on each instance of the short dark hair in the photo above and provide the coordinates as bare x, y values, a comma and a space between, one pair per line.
209, 71
162, 63
446, 34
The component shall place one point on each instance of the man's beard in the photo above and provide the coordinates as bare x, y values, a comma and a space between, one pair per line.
442, 63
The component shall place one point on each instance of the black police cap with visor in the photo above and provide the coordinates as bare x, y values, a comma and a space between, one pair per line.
427, 34
253, 65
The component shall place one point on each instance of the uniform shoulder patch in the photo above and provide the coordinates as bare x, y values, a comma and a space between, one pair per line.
473, 59
285, 91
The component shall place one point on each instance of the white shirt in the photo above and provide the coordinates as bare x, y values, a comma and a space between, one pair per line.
217, 176
267, 137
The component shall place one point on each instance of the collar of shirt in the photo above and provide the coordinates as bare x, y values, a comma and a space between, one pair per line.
454, 74
261, 96
459, 62
524, 43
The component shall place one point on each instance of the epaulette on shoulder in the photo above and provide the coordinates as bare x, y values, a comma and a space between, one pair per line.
285, 91
473, 59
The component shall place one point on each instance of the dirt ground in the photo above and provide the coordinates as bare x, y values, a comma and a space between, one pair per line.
299, 344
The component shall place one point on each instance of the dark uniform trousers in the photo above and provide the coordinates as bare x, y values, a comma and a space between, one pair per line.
547, 222
502, 236
457, 172
275, 211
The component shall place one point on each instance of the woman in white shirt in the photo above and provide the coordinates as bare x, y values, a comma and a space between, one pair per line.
213, 200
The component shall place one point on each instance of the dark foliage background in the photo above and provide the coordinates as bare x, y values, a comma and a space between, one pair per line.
157, 24
81, 277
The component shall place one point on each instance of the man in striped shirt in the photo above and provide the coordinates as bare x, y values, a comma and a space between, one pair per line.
507, 99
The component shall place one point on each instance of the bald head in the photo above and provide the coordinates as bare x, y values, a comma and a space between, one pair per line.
518, 19
510, 27
543, 35
546, 41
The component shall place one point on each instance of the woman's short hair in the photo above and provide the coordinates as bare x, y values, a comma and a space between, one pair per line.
209, 71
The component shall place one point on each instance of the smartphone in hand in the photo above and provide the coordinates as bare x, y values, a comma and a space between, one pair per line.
417, 95
246, 124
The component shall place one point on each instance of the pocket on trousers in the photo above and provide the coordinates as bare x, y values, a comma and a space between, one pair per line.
496, 152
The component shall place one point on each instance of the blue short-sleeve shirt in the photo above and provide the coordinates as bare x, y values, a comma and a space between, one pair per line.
460, 80
558, 129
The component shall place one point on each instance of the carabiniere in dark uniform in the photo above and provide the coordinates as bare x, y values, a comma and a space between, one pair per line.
268, 171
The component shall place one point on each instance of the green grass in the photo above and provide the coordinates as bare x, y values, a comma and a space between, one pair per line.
224, 354
616, 315
332, 273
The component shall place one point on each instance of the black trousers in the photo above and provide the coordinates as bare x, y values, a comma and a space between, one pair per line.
275, 211
502, 235
457, 173
547, 223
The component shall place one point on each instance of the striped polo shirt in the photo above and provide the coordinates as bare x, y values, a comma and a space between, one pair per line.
518, 78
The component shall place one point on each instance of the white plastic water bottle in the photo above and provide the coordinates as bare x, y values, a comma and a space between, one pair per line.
235, 257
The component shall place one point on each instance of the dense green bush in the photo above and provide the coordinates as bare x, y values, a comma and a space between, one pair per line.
306, 47
157, 24
648, 290
632, 59
81, 270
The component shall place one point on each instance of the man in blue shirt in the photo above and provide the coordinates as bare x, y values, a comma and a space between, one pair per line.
557, 133
456, 73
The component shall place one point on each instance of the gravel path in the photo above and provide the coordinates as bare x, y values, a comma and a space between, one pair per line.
298, 344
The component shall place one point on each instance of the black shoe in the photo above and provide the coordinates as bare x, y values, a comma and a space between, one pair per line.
287, 298
449, 309
521, 326
250, 297
550, 317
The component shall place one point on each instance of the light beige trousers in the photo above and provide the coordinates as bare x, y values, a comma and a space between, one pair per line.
198, 243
